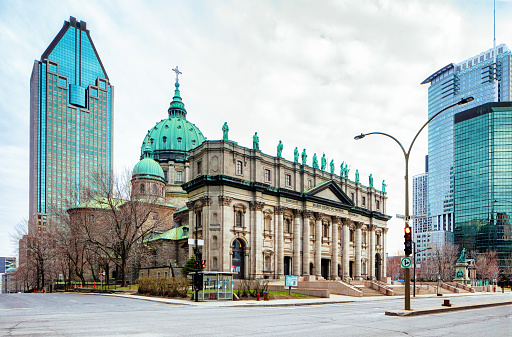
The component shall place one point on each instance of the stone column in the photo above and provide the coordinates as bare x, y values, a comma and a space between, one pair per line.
280, 241
296, 242
226, 222
383, 255
346, 246
358, 248
372, 252
257, 233
205, 233
306, 242
191, 226
334, 248
318, 245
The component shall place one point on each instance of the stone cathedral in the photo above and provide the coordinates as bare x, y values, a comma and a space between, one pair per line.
265, 216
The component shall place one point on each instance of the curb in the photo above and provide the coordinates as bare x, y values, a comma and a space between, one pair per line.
437, 310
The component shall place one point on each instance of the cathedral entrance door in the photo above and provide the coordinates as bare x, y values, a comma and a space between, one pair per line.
287, 263
237, 264
377, 266
325, 268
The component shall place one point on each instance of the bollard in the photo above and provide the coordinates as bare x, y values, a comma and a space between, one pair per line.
257, 296
265, 296
447, 303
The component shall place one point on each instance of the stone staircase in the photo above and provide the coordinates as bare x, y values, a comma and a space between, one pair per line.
365, 290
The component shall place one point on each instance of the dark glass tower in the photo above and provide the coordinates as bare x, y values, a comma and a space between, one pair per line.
71, 115
483, 179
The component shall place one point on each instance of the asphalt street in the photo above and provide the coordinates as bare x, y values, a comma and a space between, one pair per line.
97, 315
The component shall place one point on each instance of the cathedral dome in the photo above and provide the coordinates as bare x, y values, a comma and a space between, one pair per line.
173, 137
148, 168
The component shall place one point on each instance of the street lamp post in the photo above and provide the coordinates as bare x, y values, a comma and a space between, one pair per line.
406, 157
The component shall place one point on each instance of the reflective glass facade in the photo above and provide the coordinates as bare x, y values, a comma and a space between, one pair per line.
487, 79
483, 178
71, 122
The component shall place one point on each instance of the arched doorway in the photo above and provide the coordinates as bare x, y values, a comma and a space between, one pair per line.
377, 266
237, 264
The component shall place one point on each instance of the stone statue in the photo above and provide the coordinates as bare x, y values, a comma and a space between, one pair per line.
255, 141
384, 186
371, 180
225, 130
347, 170
324, 162
304, 157
279, 149
296, 155
315, 161
357, 176
332, 166
462, 257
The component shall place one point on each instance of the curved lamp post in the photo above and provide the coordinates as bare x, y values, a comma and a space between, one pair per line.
406, 157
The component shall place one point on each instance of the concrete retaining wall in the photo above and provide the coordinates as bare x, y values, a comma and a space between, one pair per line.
334, 287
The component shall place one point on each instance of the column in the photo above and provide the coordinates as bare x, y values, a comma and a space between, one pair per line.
296, 242
305, 242
334, 248
346, 246
357, 262
383, 255
280, 241
205, 224
318, 245
226, 222
191, 222
257, 233
372, 252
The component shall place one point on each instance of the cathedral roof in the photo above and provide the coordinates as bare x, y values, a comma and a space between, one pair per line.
148, 168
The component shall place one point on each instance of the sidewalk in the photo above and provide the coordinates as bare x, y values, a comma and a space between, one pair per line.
334, 299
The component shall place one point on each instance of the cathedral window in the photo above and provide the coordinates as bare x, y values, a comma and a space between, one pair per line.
377, 204
363, 201
179, 176
142, 188
199, 167
214, 242
287, 226
214, 264
325, 230
198, 219
239, 219
267, 175
351, 235
268, 224
268, 264
239, 167
288, 180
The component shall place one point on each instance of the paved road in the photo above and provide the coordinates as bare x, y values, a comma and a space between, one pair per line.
94, 315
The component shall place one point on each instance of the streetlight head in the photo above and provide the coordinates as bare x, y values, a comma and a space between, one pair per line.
361, 136
466, 100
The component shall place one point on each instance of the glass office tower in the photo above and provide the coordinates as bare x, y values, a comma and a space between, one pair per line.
71, 115
483, 178
487, 79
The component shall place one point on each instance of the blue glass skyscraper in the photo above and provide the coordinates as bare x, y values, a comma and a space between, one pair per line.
71, 115
487, 78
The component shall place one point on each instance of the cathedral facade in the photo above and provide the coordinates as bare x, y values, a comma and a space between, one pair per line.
258, 215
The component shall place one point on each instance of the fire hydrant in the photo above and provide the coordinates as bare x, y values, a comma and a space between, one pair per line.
257, 296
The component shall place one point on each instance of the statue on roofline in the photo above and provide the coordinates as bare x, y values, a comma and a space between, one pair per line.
255, 141
296, 155
225, 130
304, 157
324, 162
315, 161
280, 149
332, 166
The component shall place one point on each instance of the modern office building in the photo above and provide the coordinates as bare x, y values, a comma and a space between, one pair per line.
483, 179
7, 266
71, 115
486, 77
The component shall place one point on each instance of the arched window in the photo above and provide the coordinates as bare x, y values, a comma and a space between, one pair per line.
239, 167
268, 224
215, 218
153, 189
142, 188
214, 242
325, 230
214, 263
268, 264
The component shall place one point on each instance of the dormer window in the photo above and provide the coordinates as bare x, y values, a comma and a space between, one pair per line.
179, 140
193, 142
164, 139
179, 126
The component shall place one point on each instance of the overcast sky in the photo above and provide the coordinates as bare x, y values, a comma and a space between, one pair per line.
310, 73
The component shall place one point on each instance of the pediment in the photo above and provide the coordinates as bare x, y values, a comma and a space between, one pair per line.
328, 192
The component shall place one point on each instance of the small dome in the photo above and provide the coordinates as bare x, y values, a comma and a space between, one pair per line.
149, 169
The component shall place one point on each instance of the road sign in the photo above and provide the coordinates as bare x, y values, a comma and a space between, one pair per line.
406, 262
291, 281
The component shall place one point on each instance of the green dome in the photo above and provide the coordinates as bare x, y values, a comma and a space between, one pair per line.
173, 137
149, 169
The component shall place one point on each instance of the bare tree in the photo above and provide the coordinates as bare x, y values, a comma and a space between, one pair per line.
487, 267
440, 264
117, 221
393, 268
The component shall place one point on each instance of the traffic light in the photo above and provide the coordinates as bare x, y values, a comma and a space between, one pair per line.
203, 264
196, 265
198, 281
407, 240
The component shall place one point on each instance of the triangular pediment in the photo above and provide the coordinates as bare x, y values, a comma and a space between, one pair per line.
328, 192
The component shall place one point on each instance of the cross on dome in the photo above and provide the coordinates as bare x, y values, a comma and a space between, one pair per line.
178, 72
